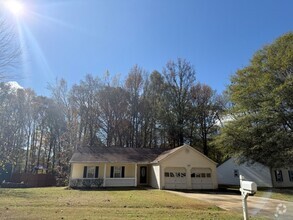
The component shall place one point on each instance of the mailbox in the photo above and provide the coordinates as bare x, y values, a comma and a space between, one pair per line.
249, 186
246, 188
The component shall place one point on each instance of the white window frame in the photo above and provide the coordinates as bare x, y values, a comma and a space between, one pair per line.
93, 172
117, 172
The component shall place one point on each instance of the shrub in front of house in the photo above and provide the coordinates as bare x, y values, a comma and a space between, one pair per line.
86, 183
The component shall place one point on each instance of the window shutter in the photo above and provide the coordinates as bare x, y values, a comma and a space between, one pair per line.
123, 171
97, 172
84, 171
112, 172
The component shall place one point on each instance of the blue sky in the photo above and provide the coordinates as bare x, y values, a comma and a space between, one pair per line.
70, 38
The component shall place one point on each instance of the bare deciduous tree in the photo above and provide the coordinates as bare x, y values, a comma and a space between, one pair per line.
180, 77
9, 48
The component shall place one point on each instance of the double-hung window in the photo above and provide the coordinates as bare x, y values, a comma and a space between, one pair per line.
279, 175
90, 172
117, 171
236, 173
290, 173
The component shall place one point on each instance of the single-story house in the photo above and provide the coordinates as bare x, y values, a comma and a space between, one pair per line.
179, 168
228, 174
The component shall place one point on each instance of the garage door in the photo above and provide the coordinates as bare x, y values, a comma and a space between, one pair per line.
175, 178
201, 178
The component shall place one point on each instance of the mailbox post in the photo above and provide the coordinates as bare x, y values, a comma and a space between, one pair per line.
246, 188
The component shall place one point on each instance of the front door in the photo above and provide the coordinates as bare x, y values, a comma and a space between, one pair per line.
143, 175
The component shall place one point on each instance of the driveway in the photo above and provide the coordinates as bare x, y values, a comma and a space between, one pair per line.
257, 206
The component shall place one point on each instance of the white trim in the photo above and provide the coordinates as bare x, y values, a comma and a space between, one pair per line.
84, 178
119, 182
71, 170
105, 171
128, 178
120, 162
135, 175
90, 168
118, 171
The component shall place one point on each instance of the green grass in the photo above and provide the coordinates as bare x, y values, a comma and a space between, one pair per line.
281, 194
60, 203
285, 194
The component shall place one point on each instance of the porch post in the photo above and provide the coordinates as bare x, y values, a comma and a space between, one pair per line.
105, 170
135, 175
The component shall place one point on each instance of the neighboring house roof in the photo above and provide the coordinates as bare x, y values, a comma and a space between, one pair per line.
116, 154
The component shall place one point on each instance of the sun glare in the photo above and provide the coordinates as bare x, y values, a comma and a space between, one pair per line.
14, 6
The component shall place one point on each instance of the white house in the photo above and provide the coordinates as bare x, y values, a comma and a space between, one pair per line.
228, 174
179, 168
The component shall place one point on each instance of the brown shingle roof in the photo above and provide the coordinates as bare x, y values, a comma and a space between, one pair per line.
118, 154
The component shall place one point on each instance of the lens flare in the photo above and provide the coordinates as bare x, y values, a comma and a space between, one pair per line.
15, 7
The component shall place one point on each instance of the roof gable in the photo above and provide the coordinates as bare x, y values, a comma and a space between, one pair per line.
165, 155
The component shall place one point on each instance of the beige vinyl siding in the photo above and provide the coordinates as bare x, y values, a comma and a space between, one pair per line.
155, 176
77, 169
189, 158
129, 169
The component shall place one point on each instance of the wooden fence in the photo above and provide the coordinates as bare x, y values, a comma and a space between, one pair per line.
34, 180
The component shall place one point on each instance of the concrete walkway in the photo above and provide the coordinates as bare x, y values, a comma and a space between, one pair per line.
257, 206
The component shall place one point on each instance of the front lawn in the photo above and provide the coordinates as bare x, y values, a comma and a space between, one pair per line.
281, 194
61, 203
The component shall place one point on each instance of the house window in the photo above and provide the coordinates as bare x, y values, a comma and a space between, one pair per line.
195, 175
290, 173
167, 174
201, 175
279, 175
90, 172
236, 173
117, 172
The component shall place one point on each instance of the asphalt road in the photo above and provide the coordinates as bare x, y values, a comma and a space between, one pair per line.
257, 206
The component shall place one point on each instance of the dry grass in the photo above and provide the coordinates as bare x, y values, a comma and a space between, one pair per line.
281, 194
60, 203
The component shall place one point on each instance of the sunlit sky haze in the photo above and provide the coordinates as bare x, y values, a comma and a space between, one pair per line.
71, 38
